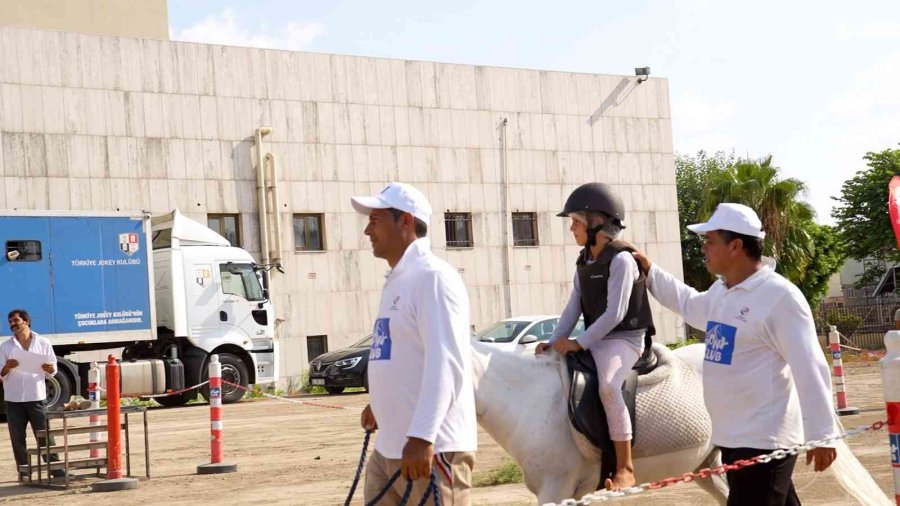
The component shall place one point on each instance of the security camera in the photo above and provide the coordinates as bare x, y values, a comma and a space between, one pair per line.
642, 73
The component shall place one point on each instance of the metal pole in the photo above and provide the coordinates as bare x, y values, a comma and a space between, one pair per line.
890, 383
113, 421
114, 479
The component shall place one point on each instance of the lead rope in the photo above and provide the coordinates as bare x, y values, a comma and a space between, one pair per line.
432, 483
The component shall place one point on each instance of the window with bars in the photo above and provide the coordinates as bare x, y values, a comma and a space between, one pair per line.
525, 230
226, 225
458, 227
315, 346
309, 233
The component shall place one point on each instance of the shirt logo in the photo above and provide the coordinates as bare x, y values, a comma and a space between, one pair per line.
895, 449
595, 276
743, 315
719, 342
381, 340
394, 304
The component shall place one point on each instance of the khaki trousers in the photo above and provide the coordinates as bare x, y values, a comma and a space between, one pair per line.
452, 469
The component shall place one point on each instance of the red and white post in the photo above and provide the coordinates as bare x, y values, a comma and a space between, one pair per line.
834, 341
94, 397
216, 428
114, 479
890, 383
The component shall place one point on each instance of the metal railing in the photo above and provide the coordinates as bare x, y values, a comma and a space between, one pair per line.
863, 325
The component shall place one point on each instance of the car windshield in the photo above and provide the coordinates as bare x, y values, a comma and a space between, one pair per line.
366, 342
502, 332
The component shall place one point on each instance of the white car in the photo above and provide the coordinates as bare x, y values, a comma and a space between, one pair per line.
522, 333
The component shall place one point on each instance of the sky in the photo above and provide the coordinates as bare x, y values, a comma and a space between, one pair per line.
815, 84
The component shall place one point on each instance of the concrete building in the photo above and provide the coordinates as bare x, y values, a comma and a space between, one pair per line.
102, 122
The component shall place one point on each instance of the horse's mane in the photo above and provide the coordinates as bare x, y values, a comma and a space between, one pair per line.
517, 363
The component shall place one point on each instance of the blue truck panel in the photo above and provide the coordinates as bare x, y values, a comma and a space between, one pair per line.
93, 275
26, 285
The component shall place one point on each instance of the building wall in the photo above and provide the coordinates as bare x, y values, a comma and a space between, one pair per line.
131, 18
109, 123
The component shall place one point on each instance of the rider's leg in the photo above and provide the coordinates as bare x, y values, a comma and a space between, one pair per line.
614, 359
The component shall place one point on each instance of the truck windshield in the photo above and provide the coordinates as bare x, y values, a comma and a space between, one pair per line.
241, 280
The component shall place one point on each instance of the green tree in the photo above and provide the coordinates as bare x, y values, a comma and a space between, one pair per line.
862, 212
758, 185
828, 258
693, 176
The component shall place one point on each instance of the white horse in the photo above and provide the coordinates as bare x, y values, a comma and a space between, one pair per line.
521, 402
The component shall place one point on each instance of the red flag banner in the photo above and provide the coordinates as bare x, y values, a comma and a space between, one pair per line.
894, 206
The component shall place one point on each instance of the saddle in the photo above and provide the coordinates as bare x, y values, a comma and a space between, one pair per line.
586, 411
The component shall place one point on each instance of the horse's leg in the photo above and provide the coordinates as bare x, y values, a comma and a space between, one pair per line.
570, 479
716, 485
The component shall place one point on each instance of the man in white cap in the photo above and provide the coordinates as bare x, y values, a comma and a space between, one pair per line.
765, 380
420, 372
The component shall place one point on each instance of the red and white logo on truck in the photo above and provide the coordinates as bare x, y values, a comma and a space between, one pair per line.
129, 243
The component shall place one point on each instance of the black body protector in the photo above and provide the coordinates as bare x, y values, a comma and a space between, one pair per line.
594, 281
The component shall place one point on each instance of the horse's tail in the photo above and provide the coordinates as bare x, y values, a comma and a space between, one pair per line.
854, 478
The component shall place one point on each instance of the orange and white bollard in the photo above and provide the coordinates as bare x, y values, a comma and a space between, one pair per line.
94, 397
114, 479
834, 341
216, 428
890, 385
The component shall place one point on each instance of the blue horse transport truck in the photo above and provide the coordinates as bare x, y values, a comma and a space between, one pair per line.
166, 291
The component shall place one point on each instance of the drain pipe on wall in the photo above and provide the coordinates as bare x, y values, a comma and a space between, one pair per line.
505, 217
276, 211
261, 198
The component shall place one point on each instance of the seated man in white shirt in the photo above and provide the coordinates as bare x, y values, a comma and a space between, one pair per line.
25, 392
765, 380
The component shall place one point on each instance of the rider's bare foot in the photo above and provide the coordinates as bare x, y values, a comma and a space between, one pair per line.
621, 480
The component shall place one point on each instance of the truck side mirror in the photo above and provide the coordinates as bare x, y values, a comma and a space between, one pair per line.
265, 294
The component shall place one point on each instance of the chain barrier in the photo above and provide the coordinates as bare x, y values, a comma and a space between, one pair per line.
241, 387
285, 399
608, 495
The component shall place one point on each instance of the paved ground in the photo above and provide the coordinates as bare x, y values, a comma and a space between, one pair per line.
302, 454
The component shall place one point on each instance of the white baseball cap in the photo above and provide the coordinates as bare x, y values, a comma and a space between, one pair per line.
398, 196
736, 218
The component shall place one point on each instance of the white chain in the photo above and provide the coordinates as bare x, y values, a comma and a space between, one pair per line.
608, 495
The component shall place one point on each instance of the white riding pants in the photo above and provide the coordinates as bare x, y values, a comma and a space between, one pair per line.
614, 358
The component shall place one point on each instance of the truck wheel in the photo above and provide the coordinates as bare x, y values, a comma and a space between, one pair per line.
334, 390
233, 371
59, 390
172, 401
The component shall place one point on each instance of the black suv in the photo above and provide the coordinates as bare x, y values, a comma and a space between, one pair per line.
342, 369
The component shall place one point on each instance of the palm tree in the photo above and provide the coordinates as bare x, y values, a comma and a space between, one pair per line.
756, 183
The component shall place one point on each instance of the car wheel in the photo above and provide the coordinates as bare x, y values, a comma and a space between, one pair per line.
334, 390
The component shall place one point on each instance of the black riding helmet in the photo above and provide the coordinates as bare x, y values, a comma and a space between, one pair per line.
598, 198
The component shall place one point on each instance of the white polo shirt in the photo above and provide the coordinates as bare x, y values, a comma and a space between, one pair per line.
20, 386
765, 379
420, 371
